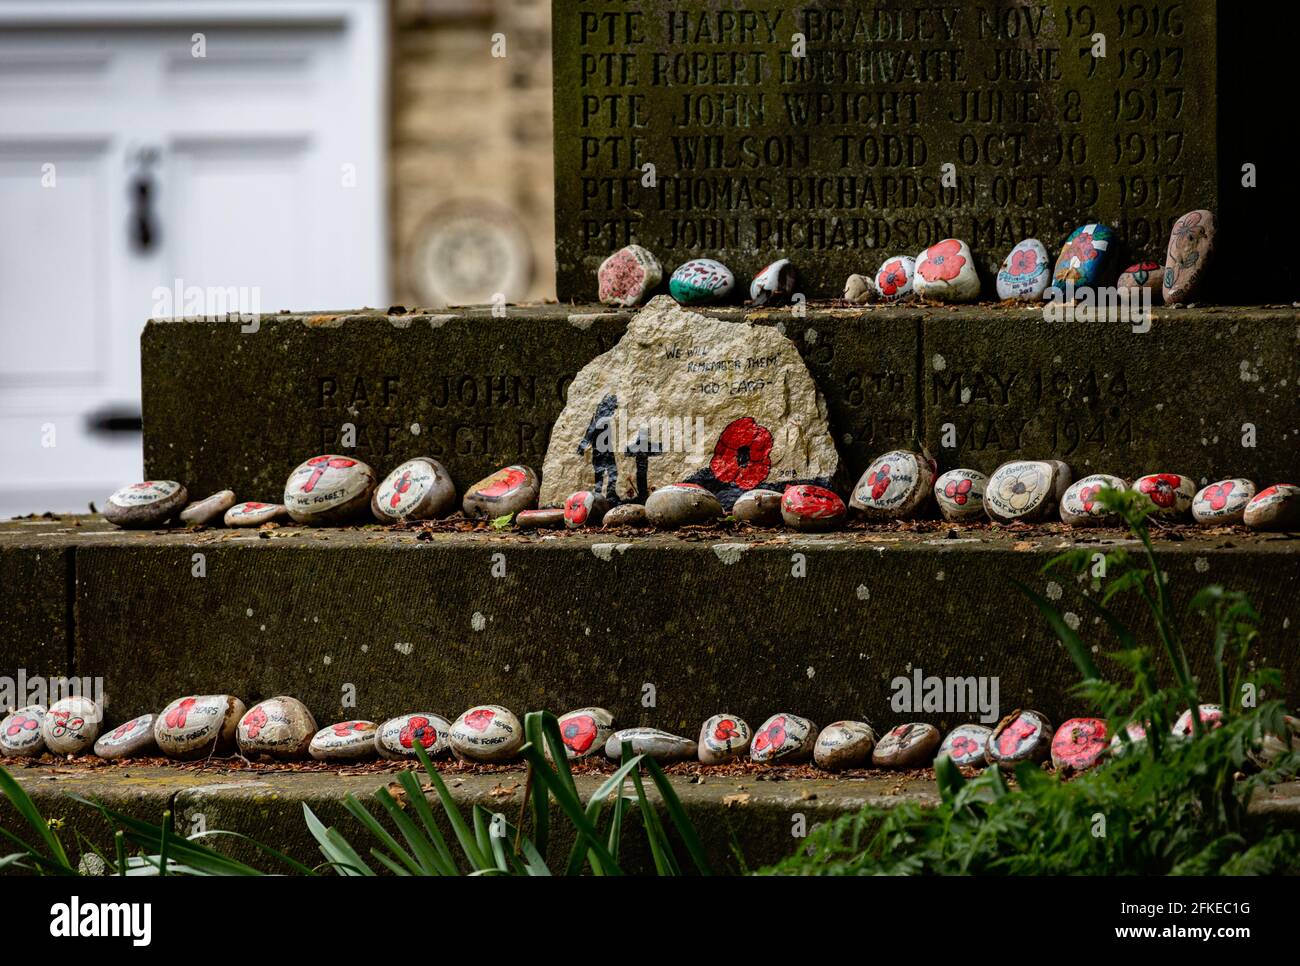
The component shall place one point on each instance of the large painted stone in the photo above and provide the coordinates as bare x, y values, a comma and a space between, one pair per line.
418, 489
774, 284
660, 745
585, 731
329, 490
1020, 736
812, 509
198, 725
1026, 491
1189, 256
203, 512
486, 732
1222, 503
783, 738
683, 398
280, 727
344, 741
133, 739
701, 280
909, 745
844, 744
1081, 505
1274, 508
960, 494
1025, 272
1168, 494
945, 272
397, 737
896, 277
1086, 260
965, 745
20, 732
628, 276
148, 504
71, 725
1079, 744
723, 737
508, 490
895, 485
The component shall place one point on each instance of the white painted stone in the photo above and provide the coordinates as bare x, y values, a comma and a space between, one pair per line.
419, 489
1022, 735
945, 272
201, 513
397, 737
651, 742
895, 277
783, 738
1211, 717
1169, 494
585, 731
1274, 508
965, 745
328, 490
844, 744
143, 505
131, 739
198, 725
1223, 502
508, 490
894, 486
1080, 506
774, 284
909, 745
344, 741
281, 727
254, 514
701, 280
723, 737
1025, 272
20, 732
960, 494
71, 725
486, 732
1025, 490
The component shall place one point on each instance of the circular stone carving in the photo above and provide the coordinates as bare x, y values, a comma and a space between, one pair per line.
468, 251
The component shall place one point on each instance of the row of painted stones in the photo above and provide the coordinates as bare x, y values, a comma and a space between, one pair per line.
943, 272
283, 728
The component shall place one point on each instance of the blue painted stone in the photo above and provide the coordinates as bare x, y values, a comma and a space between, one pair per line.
701, 280
1087, 259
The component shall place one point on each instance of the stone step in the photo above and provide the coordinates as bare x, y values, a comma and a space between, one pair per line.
1207, 392
663, 629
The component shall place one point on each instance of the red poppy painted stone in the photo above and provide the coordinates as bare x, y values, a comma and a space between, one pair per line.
783, 739
1025, 490
148, 504
960, 494
681, 504
1274, 508
965, 745
397, 737
1141, 276
71, 725
844, 744
1081, 506
1085, 261
1169, 494
723, 737
774, 284
859, 290
419, 489
1025, 272
549, 518
585, 731
486, 732
906, 746
895, 485
508, 490
281, 727
254, 514
662, 746
198, 725
812, 509
1020, 736
344, 741
1079, 744
203, 512
585, 509
328, 490
1211, 718
1189, 256
895, 278
761, 508
1223, 502
627, 277
945, 272
20, 732
626, 515
132, 739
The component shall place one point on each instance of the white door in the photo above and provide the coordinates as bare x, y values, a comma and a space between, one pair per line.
215, 151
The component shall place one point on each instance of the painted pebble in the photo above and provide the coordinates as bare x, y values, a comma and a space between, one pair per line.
760, 507
894, 486
774, 284
281, 727
628, 276
20, 732
201, 513
960, 494
486, 732
626, 515
198, 725
1274, 508
1025, 272
397, 737
906, 746
659, 745
254, 514
1223, 502
419, 489
134, 739
1079, 744
585, 509
1025, 490
344, 741
148, 504
785, 738
965, 745
724, 737
1169, 494
701, 280
895, 277
812, 509
1081, 505
844, 744
1140, 277
681, 504
508, 490
550, 518
1190, 253
328, 490
71, 725
1135, 733
859, 290
945, 272
1211, 718
585, 731
1085, 260
1020, 736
